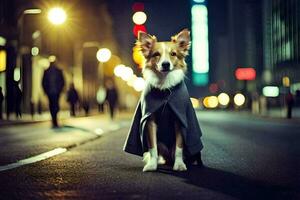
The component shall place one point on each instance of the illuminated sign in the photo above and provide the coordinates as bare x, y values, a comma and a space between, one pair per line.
200, 54
271, 91
245, 74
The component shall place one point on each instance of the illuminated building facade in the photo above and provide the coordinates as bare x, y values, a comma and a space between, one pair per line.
281, 41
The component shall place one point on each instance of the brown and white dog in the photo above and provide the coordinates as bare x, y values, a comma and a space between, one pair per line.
164, 68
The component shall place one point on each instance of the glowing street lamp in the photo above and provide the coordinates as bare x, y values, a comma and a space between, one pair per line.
57, 16
103, 55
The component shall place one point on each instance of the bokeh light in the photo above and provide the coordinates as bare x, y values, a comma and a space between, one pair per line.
210, 102
195, 102
239, 99
103, 55
139, 84
139, 18
34, 51
223, 99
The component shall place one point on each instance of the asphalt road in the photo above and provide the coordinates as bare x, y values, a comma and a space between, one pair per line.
245, 158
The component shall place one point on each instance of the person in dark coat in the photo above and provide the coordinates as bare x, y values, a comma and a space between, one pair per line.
1, 102
17, 96
72, 98
53, 83
111, 97
289, 99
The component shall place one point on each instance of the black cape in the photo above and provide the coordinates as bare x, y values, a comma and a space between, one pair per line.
174, 103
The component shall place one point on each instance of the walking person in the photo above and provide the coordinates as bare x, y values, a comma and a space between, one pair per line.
53, 83
111, 97
17, 96
1, 102
289, 100
72, 99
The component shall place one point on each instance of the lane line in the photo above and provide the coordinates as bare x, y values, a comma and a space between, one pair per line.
33, 159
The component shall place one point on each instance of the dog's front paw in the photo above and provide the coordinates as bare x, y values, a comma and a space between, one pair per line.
151, 165
179, 165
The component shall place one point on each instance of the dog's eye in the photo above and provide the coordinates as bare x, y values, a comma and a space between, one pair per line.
155, 54
173, 53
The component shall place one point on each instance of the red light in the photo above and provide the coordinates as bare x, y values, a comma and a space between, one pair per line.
138, 7
138, 28
213, 88
247, 74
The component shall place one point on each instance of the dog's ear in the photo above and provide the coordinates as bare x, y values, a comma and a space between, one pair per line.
145, 42
183, 41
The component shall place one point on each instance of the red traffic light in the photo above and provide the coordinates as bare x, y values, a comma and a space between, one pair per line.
138, 28
138, 6
245, 74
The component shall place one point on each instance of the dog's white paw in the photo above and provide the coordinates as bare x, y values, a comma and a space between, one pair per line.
151, 165
179, 165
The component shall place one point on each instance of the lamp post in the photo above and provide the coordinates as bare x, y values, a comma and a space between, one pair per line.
103, 55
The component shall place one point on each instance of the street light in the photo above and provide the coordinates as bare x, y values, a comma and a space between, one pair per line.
103, 55
57, 16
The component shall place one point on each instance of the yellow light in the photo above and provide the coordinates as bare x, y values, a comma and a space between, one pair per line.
2, 61
195, 102
239, 99
210, 102
286, 81
103, 55
52, 58
57, 16
34, 51
223, 99
138, 57
213, 102
139, 18
139, 84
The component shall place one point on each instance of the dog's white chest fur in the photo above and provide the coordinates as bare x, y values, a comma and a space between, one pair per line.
171, 79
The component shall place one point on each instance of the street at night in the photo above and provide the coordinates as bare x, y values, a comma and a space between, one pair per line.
244, 157
150, 99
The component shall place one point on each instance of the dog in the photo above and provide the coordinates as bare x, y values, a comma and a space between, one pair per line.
165, 129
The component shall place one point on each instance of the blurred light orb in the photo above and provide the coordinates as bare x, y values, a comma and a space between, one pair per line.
139, 84
210, 102
127, 73
57, 16
239, 99
17, 74
138, 6
103, 55
139, 18
223, 99
138, 57
52, 58
131, 81
138, 28
35, 51
119, 70
213, 102
195, 102
270, 91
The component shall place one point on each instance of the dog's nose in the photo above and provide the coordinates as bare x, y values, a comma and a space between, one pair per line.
165, 66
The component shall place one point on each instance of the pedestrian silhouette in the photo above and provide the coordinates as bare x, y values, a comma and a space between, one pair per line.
289, 99
101, 95
17, 97
53, 83
1, 102
72, 99
111, 97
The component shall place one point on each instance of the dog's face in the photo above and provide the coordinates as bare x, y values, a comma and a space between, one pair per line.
164, 57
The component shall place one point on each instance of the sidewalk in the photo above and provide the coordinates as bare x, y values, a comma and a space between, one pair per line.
62, 115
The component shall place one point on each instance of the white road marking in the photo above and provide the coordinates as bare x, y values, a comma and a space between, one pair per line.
33, 159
